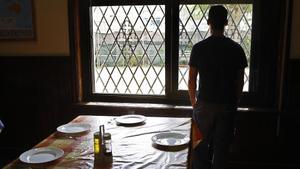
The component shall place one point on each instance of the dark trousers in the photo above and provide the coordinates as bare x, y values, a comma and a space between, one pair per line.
216, 123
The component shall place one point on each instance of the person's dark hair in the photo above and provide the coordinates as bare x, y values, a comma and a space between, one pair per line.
217, 17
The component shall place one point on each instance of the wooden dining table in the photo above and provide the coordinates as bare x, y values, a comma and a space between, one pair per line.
132, 146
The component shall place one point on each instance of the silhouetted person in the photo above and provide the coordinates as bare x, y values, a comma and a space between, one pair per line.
220, 63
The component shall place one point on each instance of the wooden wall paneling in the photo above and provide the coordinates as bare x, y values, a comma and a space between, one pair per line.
35, 99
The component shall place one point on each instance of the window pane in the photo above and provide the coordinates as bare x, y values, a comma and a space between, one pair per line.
193, 28
129, 49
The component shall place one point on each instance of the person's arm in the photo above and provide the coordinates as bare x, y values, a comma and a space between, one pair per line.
241, 64
192, 85
240, 84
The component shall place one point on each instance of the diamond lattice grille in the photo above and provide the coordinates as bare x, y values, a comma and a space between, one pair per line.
193, 28
129, 49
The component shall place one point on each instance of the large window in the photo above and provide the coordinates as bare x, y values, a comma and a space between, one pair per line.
129, 44
138, 51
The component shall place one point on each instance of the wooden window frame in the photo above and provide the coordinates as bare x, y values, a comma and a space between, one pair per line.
265, 53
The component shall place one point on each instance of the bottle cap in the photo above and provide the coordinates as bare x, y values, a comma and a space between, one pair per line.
107, 136
96, 133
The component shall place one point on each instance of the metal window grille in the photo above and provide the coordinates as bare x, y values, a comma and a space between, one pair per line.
129, 45
193, 28
129, 49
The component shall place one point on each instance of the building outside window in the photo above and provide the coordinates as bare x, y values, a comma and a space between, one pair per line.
129, 49
193, 28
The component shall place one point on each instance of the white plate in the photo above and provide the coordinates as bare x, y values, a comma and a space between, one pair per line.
73, 128
130, 119
41, 155
170, 139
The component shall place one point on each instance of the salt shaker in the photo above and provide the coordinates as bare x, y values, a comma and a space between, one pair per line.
107, 144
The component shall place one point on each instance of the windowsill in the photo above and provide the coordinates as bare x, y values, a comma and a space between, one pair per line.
121, 108
136, 105
157, 106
